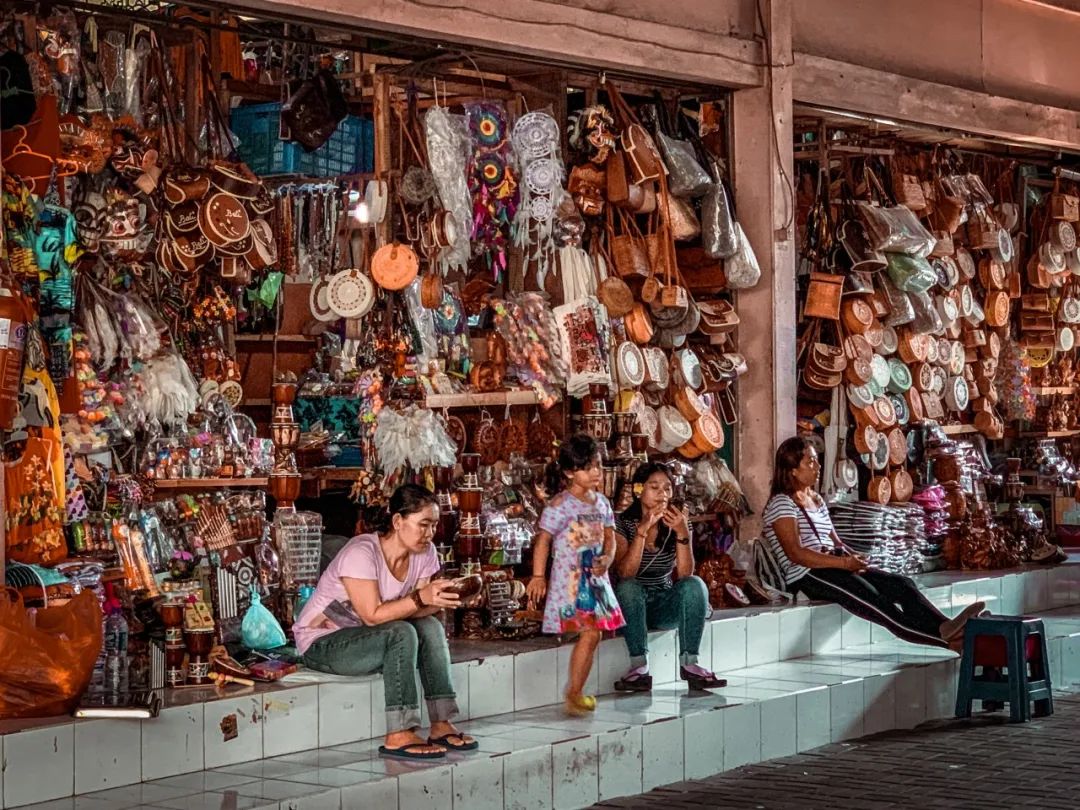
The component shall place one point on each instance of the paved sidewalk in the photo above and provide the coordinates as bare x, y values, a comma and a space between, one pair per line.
979, 764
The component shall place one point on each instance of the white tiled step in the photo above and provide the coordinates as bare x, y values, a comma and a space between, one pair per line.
540, 759
69, 758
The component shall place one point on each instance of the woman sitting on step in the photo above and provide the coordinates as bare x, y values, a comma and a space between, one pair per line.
656, 587
816, 563
374, 611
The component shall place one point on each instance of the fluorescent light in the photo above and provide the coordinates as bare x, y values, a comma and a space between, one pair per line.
117, 712
129, 706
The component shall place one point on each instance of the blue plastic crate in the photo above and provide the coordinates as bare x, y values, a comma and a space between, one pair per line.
350, 150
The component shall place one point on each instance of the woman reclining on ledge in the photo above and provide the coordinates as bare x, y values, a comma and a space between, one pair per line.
816, 563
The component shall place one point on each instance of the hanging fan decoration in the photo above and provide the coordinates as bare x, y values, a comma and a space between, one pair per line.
493, 183
536, 141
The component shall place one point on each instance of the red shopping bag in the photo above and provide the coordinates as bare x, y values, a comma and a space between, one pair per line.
46, 662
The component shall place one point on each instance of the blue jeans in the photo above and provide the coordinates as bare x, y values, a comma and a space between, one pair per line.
397, 650
684, 606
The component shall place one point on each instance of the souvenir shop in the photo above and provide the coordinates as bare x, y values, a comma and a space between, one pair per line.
937, 296
255, 272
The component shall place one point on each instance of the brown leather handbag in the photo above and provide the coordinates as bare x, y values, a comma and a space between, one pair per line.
642, 156
618, 180
823, 296
626, 244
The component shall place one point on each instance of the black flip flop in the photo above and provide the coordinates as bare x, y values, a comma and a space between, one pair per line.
697, 683
462, 746
635, 683
409, 751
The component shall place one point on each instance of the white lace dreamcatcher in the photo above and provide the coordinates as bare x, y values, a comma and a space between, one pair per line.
536, 142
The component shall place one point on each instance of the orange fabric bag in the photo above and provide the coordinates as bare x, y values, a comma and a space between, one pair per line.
48, 659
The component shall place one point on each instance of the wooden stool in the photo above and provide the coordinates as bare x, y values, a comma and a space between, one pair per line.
1017, 645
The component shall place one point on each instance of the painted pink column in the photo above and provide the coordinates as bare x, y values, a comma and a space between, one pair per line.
765, 207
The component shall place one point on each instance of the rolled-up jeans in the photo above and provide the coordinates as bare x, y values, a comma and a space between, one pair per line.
397, 650
685, 606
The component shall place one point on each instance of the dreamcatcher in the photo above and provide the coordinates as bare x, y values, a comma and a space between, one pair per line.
536, 141
493, 183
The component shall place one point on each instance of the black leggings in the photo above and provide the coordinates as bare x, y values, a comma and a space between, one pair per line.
890, 600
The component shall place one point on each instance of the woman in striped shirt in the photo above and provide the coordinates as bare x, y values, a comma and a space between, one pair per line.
656, 587
816, 563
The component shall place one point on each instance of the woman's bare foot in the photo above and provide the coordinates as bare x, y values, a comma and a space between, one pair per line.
453, 738
954, 628
411, 740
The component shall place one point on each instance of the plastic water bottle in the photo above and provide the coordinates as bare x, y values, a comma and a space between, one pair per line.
115, 646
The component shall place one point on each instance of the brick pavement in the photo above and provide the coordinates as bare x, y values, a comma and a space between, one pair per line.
982, 764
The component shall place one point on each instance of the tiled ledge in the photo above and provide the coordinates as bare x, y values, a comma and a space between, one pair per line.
540, 760
752, 647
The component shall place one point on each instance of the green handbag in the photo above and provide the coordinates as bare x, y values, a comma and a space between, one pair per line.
910, 273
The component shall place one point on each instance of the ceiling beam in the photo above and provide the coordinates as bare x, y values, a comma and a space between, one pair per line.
841, 86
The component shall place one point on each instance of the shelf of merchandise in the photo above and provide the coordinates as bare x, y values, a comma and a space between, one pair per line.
494, 399
958, 430
1053, 390
209, 483
270, 338
332, 473
1047, 434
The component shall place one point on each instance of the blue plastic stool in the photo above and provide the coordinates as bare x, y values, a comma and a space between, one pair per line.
1017, 645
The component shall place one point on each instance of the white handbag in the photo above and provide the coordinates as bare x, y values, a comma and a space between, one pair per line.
742, 270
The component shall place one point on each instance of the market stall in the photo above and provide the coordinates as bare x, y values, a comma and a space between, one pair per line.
936, 341
248, 265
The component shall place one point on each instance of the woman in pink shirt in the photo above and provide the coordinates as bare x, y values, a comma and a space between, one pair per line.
374, 611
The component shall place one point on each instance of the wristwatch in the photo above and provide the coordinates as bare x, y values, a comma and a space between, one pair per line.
684, 541
418, 600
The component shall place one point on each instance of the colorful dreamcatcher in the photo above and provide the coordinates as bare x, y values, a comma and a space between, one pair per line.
493, 183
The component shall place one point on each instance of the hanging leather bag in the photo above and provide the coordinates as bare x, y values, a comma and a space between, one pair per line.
642, 156
314, 110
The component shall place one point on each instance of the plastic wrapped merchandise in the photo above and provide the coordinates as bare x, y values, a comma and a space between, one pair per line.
896, 229
742, 270
901, 310
719, 237
927, 320
910, 273
448, 152
423, 320
298, 537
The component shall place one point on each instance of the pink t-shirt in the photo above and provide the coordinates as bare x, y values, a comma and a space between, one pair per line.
361, 558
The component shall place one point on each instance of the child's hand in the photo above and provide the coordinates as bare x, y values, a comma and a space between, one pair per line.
536, 590
600, 565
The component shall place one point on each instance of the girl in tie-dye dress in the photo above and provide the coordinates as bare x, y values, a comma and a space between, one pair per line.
580, 522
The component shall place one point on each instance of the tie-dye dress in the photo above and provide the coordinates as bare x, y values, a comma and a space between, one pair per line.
576, 599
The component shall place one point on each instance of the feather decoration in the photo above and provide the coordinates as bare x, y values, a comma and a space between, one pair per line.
412, 439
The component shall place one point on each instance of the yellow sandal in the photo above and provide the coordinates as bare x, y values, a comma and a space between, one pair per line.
580, 705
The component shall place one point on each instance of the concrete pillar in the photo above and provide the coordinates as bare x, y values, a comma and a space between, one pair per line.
765, 207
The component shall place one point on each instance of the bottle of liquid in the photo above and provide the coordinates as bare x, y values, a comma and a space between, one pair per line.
115, 647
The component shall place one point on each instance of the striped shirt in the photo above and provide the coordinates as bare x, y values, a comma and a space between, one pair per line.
782, 506
656, 566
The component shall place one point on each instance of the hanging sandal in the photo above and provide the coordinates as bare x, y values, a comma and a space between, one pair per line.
411, 751
580, 705
445, 741
635, 682
699, 683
